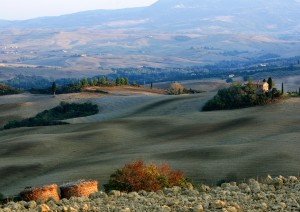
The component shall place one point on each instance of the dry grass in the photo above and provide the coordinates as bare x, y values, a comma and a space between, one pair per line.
206, 146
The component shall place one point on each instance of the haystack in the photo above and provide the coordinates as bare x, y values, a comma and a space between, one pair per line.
78, 189
36, 193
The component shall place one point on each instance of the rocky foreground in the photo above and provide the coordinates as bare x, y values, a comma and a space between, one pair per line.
273, 194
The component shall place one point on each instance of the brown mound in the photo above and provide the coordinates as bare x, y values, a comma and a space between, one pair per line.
44, 193
78, 189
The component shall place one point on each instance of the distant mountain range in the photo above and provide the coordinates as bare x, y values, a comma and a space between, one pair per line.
265, 16
167, 33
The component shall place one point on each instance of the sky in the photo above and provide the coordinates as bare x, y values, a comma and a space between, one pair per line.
26, 9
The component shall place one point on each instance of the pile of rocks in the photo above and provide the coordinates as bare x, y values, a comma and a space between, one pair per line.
273, 194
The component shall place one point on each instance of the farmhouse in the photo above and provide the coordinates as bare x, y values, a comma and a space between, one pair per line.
261, 86
264, 86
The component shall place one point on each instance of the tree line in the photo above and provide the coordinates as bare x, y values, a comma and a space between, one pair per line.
79, 85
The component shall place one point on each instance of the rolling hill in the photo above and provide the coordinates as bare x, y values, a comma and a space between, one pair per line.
207, 146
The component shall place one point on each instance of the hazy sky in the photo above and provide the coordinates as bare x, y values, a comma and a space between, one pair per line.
26, 9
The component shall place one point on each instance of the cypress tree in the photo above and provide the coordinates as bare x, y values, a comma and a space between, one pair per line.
103, 80
79, 84
282, 88
118, 81
92, 82
122, 81
85, 82
53, 88
270, 82
126, 82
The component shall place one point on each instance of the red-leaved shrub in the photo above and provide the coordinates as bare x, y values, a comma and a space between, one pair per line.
137, 176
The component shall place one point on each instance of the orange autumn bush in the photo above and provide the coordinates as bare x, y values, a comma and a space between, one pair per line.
137, 176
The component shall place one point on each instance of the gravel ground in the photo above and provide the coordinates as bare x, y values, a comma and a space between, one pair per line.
274, 194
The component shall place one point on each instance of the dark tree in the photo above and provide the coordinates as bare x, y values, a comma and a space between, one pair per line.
282, 88
118, 81
53, 88
126, 81
270, 82
122, 81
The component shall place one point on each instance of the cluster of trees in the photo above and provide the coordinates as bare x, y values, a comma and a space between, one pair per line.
54, 116
103, 81
177, 89
122, 81
7, 90
241, 96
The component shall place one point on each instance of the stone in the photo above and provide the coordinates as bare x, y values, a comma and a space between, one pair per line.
17, 206
237, 206
43, 208
85, 207
230, 209
189, 186
269, 180
6, 209
62, 208
142, 193
293, 179
166, 208
71, 209
282, 205
218, 204
264, 206
99, 194
245, 188
254, 186
31, 205
204, 188
133, 195
115, 193
278, 182
198, 208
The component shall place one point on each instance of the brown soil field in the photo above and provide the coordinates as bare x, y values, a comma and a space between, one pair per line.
206, 146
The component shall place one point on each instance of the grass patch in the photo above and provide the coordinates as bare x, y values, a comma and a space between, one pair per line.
55, 115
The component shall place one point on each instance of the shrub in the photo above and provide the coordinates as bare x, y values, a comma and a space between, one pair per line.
176, 88
137, 176
7, 90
